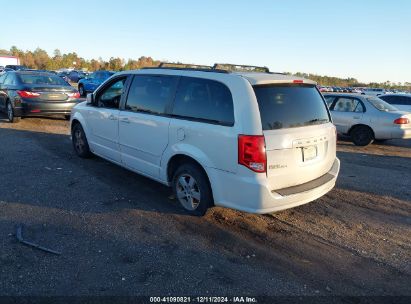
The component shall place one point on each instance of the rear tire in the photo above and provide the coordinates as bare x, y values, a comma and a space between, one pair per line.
362, 136
10, 113
192, 189
80, 143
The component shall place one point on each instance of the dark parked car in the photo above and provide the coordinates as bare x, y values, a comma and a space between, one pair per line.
25, 93
75, 76
92, 81
64, 75
16, 67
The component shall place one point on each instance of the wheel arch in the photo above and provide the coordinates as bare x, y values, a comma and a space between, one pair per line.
177, 160
77, 118
360, 125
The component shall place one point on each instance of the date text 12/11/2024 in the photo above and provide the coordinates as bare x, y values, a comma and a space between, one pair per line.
207, 299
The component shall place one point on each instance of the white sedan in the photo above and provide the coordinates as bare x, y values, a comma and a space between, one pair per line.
366, 118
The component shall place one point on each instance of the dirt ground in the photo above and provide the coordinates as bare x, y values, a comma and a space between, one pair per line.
121, 234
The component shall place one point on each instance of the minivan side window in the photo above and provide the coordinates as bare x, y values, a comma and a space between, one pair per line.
151, 94
204, 100
110, 96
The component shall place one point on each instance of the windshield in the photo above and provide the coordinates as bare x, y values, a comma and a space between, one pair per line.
381, 105
290, 106
42, 79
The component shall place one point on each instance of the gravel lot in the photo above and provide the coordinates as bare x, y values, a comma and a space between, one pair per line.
121, 234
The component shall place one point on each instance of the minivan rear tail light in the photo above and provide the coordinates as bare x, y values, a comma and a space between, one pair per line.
298, 81
402, 121
28, 94
251, 152
74, 95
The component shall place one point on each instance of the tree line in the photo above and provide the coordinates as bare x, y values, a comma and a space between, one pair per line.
40, 59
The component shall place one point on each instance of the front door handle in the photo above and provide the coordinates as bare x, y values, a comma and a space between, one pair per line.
125, 120
112, 117
356, 117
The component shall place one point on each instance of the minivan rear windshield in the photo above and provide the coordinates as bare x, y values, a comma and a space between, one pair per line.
290, 106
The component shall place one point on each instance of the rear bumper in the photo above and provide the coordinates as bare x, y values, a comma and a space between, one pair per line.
254, 195
35, 108
402, 133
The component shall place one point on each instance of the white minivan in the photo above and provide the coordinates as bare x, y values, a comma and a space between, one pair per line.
253, 141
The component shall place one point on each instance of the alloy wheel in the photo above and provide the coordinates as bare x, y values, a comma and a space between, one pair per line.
188, 192
79, 141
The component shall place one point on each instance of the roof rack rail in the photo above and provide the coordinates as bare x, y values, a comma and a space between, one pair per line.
187, 67
183, 65
240, 68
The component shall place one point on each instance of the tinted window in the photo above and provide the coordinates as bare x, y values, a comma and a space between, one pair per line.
10, 79
151, 94
290, 106
396, 100
42, 79
344, 104
406, 100
2, 77
389, 99
204, 99
381, 105
110, 96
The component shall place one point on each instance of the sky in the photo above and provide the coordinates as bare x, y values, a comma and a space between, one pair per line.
369, 40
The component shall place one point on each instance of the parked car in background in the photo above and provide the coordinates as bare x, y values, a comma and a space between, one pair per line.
4, 70
373, 91
400, 101
257, 142
92, 81
28, 93
367, 118
64, 75
16, 67
75, 76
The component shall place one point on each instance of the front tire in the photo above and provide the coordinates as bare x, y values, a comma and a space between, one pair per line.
192, 189
80, 143
10, 113
362, 136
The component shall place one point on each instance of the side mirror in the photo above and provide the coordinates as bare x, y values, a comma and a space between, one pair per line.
90, 99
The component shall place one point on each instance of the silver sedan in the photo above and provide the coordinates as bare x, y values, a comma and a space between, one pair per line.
367, 118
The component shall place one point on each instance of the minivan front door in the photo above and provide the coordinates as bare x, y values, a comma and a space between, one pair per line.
103, 120
144, 122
